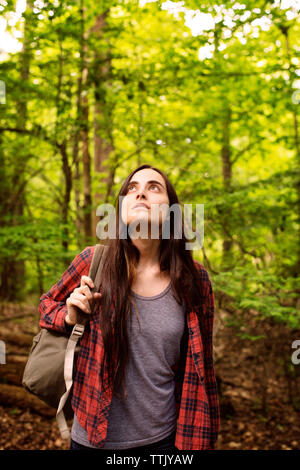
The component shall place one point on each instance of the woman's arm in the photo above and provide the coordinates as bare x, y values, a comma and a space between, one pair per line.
52, 307
211, 382
206, 325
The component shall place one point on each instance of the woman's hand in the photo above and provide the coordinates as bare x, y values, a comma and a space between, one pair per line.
81, 298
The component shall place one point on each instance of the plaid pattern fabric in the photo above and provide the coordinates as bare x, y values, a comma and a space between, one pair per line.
198, 414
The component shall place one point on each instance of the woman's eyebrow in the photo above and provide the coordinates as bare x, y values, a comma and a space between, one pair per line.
148, 182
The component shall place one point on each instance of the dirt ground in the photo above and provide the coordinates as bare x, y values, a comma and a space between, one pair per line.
260, 387
260, 406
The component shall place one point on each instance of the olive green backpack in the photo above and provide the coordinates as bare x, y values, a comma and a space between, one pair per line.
49, 371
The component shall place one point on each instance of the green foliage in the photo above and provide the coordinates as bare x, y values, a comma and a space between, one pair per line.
211, 106
261, 291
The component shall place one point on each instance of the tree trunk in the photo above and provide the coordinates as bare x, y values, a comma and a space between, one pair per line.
77, 179
103, 121
13, 273
285, 30
89, 237
227, 175
62, 146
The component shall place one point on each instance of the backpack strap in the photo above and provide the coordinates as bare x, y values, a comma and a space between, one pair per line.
95, 273
77, 332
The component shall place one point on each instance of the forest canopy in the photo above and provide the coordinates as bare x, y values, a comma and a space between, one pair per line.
207, 91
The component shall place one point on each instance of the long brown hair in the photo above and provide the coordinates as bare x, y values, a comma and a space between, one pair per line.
118, 275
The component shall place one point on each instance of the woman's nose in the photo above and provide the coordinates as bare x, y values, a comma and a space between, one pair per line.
141, 194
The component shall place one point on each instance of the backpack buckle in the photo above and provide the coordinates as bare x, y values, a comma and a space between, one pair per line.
78, 330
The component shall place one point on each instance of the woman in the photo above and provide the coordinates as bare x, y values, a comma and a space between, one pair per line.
150, 335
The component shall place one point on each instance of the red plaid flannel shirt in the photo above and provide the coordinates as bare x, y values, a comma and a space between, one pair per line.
197, 404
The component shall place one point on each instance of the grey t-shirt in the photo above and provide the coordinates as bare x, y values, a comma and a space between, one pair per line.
149, 412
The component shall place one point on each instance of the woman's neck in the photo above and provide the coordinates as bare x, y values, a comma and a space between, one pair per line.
149, 253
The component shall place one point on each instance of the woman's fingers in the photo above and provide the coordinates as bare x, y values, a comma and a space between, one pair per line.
85, 290
86, 297
86, 280
86, 284
82, 297
97, 296
77, 303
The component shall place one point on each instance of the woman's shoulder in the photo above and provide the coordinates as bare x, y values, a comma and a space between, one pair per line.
200, 267
205, 278
86, 255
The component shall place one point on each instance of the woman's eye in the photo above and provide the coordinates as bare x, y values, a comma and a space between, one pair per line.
152, 186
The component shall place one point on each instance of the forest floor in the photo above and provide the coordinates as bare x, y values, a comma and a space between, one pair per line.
259, 400
260, 387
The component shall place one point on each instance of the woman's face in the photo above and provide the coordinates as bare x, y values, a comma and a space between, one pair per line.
146, 187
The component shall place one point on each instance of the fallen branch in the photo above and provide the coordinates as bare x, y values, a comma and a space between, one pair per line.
18, 397
19, 339
12, 371
14, 317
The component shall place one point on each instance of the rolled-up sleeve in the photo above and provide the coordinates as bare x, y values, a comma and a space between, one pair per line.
211, 382
207, 325
52, 306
